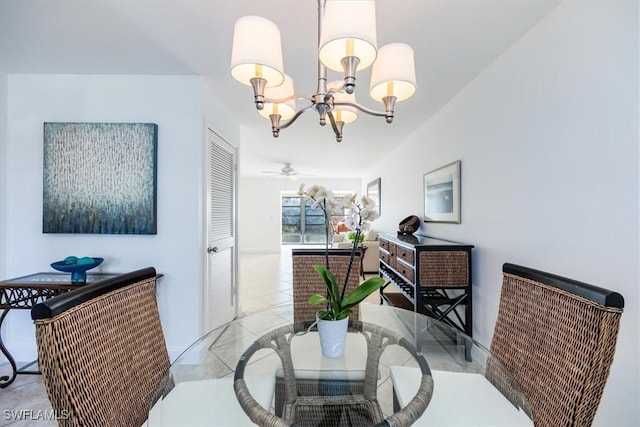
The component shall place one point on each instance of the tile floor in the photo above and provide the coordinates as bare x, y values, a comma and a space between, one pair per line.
265, 282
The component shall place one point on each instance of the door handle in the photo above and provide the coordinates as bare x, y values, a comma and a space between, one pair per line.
212, 250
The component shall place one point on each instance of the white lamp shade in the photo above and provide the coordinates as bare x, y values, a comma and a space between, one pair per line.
349, 29
257, 51
344, 113
393, 73
285, 109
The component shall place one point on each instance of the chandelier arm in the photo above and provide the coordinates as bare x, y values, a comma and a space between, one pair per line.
337, 126
328, 97
289, 98
330, 92
295, 117
363, 109
333, 123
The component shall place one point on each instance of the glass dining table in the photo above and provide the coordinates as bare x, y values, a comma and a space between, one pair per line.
399, 368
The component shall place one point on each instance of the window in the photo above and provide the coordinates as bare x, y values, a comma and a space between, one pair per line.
314, 228
301, 225
291, 220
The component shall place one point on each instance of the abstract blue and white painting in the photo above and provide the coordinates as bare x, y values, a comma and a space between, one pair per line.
100, 178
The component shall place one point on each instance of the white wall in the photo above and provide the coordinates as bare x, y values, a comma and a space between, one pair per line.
3, 168
548, 139
259, 207
177, 105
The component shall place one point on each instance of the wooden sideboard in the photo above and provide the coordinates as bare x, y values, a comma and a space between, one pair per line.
430, 276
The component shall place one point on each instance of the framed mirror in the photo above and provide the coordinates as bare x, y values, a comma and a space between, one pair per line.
373, 192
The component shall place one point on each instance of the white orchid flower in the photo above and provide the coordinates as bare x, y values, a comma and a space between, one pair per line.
368, 203
349, 200
359, 214
368, 215
314, 190
324, 194
334, 207
351, 223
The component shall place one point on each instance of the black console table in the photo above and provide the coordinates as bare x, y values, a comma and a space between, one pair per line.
25, 292
432, 277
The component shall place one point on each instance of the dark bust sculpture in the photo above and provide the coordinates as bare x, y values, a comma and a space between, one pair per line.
409, 225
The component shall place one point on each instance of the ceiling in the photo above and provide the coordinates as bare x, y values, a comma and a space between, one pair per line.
454, 40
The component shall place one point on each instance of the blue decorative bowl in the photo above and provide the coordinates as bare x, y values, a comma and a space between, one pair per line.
78, 271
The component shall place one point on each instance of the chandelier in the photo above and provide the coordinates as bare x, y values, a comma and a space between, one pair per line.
347, 43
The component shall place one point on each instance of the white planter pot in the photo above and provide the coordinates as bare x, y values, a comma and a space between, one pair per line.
333, 334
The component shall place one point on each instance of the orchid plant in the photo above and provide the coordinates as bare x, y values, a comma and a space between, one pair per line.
360, 213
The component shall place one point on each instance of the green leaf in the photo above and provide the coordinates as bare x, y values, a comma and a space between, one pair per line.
338, 308
335, 307
324, 315
361, 292
335, 290
329, 281
343, 314
317, 299
322, 272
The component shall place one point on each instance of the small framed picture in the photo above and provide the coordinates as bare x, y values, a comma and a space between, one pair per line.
373, 192
442, 194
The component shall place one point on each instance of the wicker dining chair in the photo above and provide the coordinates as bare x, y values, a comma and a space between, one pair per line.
307, 282
102, 351
350, 408
557, 337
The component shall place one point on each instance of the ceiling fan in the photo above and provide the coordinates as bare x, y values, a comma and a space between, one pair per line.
287, 171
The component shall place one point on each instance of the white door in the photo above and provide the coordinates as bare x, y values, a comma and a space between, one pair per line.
221, 227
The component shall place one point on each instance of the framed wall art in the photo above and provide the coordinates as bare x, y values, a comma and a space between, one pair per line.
100, 178
373, 192
442, 194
